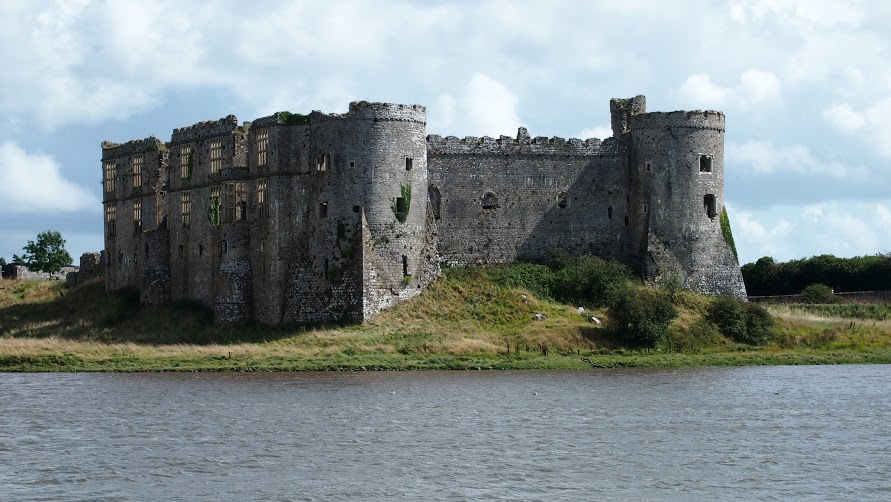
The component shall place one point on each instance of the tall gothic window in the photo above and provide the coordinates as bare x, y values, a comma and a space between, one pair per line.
111, 172
216, 156
111, 219
137, 216
262, 205
186, 207
185, 161
262, 146
234, 201
136, 166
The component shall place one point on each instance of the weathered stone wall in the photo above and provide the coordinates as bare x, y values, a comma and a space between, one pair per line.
21, 272
91, 267
525, 198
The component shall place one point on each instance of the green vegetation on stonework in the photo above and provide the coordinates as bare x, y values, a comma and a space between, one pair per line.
728, 234
215, 211
401, 209
289, 118
467, 319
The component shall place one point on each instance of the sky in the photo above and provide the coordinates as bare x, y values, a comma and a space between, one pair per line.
805, 86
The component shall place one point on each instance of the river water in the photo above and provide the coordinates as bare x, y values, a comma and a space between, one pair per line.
762, 433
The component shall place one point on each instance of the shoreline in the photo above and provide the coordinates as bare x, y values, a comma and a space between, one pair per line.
131, 363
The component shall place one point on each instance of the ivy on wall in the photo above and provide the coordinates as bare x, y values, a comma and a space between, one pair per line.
215, 211
728, 235
401, 210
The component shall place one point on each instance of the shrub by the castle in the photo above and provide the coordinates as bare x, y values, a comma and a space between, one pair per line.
641, 316
743, 323
587, 279
817, 293
538, 279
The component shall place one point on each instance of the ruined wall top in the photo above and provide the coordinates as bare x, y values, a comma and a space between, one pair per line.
696, 119
621, 111
521, 145
364, 110
205, 129
116, 150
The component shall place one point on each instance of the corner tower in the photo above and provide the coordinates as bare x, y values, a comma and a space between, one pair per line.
679, 159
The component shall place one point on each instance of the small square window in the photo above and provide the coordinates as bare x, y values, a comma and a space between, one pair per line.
356, 209
705, 163
352, 163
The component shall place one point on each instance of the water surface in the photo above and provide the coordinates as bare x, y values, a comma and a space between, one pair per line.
762, 433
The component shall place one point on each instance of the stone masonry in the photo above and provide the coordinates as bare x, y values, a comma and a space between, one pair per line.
335, 217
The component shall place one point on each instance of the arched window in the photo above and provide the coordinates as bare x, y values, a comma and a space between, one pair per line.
490, 200
562, 200
435, 199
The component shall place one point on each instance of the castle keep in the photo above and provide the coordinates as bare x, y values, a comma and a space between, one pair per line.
335, 217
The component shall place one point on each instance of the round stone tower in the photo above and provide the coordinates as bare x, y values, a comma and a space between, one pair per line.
377, 184
679, 159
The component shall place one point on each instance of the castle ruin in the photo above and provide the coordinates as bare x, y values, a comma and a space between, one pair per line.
335, 217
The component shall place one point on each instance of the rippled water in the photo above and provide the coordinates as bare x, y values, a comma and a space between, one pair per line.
774, 433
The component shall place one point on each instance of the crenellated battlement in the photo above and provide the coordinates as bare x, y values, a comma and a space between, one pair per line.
206, 129
522, 145
376, 112
696, 119
116, 150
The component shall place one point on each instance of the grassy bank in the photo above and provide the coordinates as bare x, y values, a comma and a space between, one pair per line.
468, 319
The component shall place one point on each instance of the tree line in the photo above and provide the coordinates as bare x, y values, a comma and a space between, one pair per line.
860, 273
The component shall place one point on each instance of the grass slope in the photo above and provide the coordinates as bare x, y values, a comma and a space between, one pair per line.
465, 320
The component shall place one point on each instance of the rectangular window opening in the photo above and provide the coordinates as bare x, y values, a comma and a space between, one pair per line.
356, 209
216, 156
136, 166
234, 201
323, 209
405, 266
262, 146
137, 217
111, 172
400, 205
352, 163
186, 208
185, 161
710, 206
262, 206
705, 163
409, 163
111, 217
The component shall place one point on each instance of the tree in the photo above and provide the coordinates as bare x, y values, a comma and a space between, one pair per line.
642, 315
48, 254
2, 261
817, 293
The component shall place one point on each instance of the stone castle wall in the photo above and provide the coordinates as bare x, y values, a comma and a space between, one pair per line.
344, 215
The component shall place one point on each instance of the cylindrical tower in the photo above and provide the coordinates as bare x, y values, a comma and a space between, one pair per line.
370, 188
679, 159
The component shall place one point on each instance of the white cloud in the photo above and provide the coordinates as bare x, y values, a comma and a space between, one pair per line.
599, 132
871, 123
765, 158
789, 232
35, 184
486, 108
755, 87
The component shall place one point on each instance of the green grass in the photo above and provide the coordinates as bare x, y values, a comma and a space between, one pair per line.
468, 319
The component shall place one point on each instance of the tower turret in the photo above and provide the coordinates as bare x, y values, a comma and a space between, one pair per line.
679, 158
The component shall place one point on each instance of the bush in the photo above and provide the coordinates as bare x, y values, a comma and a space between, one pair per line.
538, 279
587, 279
817, 293
743, 323
641, 315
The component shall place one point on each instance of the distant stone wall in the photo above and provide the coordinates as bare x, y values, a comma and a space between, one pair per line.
21, 272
